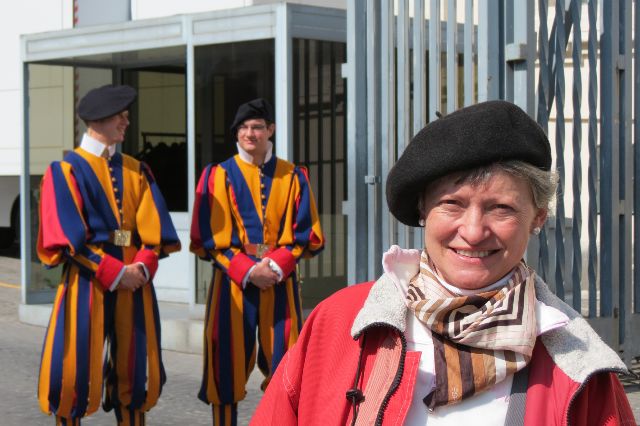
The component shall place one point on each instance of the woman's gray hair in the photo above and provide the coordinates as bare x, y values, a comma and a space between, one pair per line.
543, 183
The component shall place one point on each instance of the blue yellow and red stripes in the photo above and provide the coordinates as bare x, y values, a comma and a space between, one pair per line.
80, 205
239, 203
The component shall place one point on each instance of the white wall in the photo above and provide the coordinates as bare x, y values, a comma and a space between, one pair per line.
27, 16
142, 9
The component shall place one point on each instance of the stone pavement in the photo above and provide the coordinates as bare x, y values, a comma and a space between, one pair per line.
20, 346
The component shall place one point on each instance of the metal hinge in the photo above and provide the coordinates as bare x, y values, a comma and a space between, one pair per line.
372, 179
515, 52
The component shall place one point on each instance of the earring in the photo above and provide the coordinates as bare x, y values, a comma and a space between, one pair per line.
536, 230
421, 222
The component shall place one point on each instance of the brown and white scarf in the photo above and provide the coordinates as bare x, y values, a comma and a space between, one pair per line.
479, 340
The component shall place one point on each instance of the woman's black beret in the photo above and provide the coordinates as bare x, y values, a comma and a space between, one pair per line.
105, 101
470, 137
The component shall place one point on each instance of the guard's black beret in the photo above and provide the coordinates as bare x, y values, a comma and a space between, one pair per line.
470, 137
257, 108
105, 101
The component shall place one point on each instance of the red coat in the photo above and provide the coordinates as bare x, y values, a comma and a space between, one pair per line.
310, 385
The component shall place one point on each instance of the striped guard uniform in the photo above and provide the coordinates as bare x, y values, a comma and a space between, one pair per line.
84, 199
238, 203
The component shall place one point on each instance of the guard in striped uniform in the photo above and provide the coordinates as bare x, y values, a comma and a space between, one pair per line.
254, 217
104, 221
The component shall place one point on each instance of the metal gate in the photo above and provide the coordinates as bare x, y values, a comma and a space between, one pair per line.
569, 64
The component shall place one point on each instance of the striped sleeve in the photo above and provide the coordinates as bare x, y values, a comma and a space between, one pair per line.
213, 234
305, 237
62, 234
153, 222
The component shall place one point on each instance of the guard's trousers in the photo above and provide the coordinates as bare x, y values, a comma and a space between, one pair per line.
75, 365
233, 316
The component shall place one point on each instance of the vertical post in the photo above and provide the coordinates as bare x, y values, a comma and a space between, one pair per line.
375, 200
520, 71
609, 225
452, 56
576, 228
520, 75
625, 170
356, 203
559, 84
636, 146
283, 71
25, 190
542, 117
435, 80
191, 148
592, 168
405, 234
419, 87
387, 119
489, 25
469, 31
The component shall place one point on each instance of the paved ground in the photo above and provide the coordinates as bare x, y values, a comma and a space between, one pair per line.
20, 347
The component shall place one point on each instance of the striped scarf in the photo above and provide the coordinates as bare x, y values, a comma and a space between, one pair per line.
479, 340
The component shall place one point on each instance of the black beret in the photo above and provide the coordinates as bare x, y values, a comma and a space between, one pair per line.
257, 108
105, 101
470, 137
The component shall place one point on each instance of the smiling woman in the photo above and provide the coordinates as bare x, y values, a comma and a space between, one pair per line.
478, 223
463, 329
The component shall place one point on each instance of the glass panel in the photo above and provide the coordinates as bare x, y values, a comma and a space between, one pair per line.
319, 133
157, 134
53, 128
227, 75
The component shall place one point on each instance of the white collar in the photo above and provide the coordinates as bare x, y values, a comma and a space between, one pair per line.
95, 147
248, 158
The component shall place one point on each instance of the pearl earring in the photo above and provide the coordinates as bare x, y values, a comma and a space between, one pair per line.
536, 230
421, 222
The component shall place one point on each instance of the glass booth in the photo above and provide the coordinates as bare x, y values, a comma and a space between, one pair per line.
191, 73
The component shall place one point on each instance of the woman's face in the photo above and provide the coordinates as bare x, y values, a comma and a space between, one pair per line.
476, 234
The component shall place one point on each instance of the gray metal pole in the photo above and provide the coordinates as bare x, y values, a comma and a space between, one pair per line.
25, 191
374, 107
356, 203
488, 50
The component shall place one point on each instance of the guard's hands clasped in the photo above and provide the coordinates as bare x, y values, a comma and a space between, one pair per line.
133, 277
263, 276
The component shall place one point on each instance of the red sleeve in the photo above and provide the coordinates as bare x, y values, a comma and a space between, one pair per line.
150, 260
238, 267
108, 270
284, 259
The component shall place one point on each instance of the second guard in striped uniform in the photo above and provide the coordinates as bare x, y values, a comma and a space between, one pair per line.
254, 217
